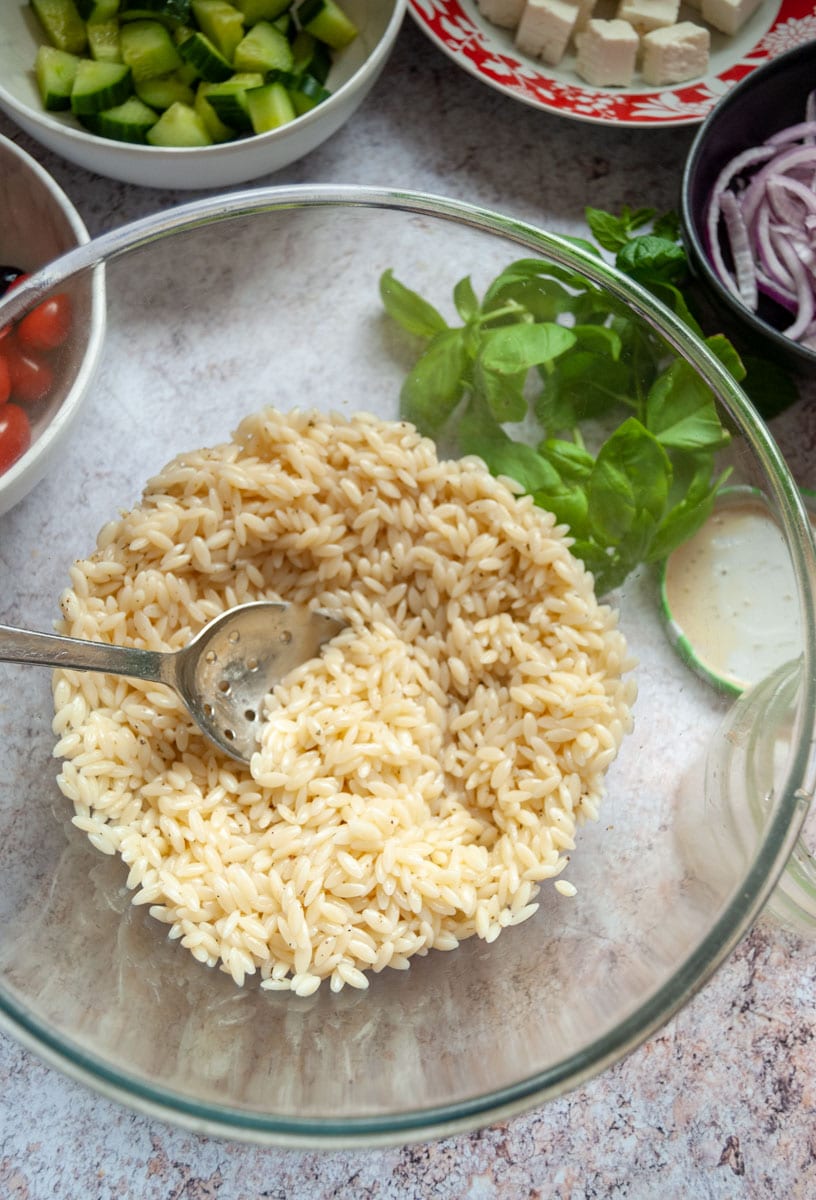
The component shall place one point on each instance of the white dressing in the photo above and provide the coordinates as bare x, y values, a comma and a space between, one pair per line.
730, 594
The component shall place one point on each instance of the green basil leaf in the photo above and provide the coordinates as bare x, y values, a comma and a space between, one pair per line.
464, 297
599, 338
478, 432
629, 484
572, 462
650, 259
435, 385
667, 225
681, 413
727, 354
544, 299
674, 299
683, 521
513, 348
568, 504
409, 309
503, 392
524, 270
613, 232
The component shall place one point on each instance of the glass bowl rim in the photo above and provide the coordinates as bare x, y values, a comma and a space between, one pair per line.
780, 834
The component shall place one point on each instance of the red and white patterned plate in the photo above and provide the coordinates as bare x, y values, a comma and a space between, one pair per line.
487, 52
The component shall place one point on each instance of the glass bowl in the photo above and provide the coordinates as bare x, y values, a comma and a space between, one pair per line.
270, 297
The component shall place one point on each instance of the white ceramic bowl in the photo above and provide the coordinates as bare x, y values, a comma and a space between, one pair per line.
353, 74
37, 224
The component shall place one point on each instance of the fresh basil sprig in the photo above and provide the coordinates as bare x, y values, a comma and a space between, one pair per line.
651, 482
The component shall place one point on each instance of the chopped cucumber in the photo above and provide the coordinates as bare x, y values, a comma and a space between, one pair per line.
229, 100
306, 93
163, 90
55, 71
100, 85
203, 71
269, 107
127, 122
103, 41
262, 10
218, 131
179, 125
97, 10
148, 49
62, 24
169, 12
222, 23
264, 49
198, 51
311, 55
325, 20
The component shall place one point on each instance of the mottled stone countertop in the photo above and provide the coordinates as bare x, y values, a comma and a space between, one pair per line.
722, 1102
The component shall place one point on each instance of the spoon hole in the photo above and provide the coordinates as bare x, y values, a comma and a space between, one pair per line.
224, 686
250, 714
286, 636
210, 656
208, 710
252, 664
229, 734
234, 636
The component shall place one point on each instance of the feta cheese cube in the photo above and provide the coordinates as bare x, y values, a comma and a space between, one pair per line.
675, 54
606, 53
506, 13
585, 11
645, 15
728, 15
545, 29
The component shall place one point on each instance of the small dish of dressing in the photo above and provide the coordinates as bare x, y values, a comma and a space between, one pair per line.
727, 595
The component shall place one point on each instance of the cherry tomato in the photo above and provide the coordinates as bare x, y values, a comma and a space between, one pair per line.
5, 380
46, 326
31, 376
15, 434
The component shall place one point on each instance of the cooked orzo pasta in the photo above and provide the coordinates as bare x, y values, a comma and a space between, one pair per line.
415, 783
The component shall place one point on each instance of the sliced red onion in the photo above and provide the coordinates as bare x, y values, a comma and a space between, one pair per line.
762, 213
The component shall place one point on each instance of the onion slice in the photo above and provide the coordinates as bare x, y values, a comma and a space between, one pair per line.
760, 224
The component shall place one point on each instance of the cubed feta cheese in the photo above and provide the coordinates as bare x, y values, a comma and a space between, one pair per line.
545, 29
675, 54
585, 11
728, 15
506, 13
645, 15
606, 53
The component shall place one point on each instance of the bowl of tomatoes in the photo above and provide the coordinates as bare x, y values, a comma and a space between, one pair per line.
48, 356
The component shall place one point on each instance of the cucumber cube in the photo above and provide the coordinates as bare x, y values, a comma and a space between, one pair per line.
261, 10
163, 90
229, 100
103, 41
148, 49
179, 125
128, 122
263, 49
221, 22
169, 12
269, 107
97, 10
100, 85
55, 71
218, 131
326, 21
62, 24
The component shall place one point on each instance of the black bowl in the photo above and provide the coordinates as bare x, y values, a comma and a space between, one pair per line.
767, 100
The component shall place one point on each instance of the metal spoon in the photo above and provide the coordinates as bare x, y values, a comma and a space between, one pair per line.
222, 675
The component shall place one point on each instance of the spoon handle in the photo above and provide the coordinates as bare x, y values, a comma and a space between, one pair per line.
52, 650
